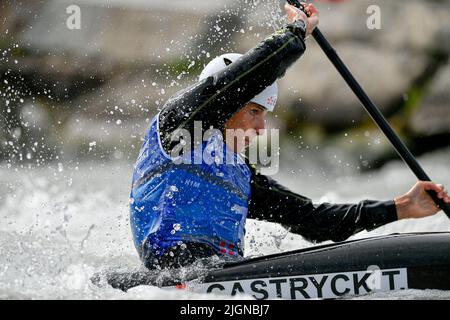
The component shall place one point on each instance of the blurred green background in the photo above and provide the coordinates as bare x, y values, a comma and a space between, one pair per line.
90, 93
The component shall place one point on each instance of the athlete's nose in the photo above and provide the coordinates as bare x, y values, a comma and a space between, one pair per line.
260, 125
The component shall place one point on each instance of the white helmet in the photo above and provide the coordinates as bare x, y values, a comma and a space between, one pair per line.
267, 99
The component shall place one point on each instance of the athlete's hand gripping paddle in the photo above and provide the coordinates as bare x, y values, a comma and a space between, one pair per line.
373, 111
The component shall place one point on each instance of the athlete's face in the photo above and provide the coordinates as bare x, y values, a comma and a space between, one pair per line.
244, 126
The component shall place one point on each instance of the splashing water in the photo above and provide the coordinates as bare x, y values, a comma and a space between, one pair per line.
61, 223
58, 228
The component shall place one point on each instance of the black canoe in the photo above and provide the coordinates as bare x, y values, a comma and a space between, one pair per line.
385, 263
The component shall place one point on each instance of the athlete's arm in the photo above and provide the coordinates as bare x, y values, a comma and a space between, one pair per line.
215, 99
317, 223
417, 203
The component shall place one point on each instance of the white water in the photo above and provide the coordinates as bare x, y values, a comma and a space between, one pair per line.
61, 224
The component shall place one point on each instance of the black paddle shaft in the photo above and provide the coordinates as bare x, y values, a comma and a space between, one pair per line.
374, 111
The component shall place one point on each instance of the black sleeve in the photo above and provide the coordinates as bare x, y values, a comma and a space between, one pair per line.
215, 99
316, 223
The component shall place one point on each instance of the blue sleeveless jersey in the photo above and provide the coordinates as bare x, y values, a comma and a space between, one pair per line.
175, 203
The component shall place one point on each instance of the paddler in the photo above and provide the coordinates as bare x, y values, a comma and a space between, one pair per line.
185, 207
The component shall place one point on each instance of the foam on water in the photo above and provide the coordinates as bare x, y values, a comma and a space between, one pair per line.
59, 227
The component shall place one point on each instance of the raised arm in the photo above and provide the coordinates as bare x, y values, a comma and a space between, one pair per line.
317, 223
215, 99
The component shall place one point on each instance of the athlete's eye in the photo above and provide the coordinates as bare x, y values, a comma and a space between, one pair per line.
254, 111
